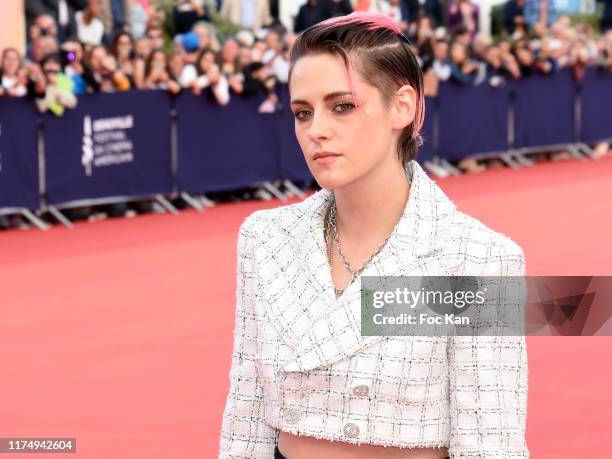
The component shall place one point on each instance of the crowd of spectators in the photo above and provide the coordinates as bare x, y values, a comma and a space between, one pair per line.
88, 46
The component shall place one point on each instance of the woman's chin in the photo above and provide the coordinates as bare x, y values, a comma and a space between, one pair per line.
330, 184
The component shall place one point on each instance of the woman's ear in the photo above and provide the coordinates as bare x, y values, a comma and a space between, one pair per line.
404, 106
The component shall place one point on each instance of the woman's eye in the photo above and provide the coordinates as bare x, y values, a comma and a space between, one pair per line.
347, 107
344, 104
297, 114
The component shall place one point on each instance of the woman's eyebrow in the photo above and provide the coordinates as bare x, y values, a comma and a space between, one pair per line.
331, 95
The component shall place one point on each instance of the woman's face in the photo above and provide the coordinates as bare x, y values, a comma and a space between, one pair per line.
328, 121
51, 69
10, 63
158, 61
245, 56
175, 64
124, 46
156, 37
207, 59
96, 58
441, 50
229, 51
524, 56
46, 45
494, 56
457, 53
202, 33
259, 47
272, 41
143, 47
505, 47
256, 54
424, 24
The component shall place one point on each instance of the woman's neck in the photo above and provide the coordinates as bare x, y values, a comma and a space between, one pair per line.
371, 206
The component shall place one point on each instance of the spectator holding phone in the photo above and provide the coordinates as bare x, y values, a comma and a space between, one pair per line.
105, 71
43, 38
521, 49
60, 11
499, 68
58, 89
157, 76
259, 80
463, 69
208, 76
424, 39
34, 80
176, 63
229, 56
72, 53
441, 64
545, 62
122, 49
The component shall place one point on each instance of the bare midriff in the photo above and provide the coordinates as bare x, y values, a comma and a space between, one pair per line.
304, 447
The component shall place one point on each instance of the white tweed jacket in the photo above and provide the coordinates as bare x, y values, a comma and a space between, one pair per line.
300, 364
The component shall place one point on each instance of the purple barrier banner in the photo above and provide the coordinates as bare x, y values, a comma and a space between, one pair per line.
473, 119
18, 153
110, 145
427, 150
596, 96
225, 147
544, 110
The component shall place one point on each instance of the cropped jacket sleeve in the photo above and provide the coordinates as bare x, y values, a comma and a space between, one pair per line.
244, 434
488, 382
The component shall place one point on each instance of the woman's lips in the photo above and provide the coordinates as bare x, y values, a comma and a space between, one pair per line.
326, 158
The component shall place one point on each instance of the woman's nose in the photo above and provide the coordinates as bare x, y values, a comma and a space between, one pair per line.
319, 127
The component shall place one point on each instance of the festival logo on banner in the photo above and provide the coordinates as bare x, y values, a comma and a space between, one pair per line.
106, 142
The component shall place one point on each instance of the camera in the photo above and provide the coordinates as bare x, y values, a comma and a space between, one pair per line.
67, 57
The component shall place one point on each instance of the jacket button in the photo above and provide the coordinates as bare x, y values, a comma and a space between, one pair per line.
291, 416
361, 391
351, 430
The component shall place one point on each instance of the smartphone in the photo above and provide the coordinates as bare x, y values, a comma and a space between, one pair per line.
67, 57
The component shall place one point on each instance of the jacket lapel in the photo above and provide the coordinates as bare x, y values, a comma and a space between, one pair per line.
320, 328
292, 267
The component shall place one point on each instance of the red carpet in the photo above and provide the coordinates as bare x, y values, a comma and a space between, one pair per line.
119, 332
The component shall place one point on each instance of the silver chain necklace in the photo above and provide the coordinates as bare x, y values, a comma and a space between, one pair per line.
331, 227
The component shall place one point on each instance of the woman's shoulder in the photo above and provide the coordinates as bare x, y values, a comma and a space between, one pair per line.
284, 219
482, 249
470, 227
